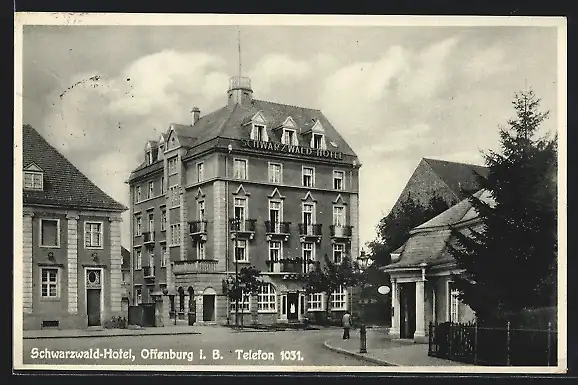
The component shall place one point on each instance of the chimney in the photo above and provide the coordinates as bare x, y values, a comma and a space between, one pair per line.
196, 114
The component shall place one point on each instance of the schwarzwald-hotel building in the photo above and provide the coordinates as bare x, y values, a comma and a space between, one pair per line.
283, 171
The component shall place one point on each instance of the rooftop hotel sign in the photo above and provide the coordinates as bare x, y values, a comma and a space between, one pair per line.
290, 149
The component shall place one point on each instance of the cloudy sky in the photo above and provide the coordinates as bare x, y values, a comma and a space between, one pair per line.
395, 93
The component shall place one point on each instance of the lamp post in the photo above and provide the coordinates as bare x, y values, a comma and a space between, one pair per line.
362, 263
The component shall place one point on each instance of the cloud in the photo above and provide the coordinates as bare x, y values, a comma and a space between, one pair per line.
275, 69
487, 62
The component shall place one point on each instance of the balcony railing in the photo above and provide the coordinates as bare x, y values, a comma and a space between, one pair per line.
198, 230
311, 229
148, 237
277, 230
344, 231
289, 267
148, 272
195, 266
242, 228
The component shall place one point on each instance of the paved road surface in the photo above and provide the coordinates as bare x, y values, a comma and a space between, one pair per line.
234, 348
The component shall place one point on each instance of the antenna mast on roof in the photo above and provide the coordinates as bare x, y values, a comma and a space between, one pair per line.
239, 44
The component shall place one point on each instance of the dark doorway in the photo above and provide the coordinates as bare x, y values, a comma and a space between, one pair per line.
208, 307
93, 306
292, 306
407, 310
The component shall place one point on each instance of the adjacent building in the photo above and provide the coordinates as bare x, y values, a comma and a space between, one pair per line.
421, 272
71, 242
450, 181
254, 183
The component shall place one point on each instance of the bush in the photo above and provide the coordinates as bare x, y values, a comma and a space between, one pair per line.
117, 322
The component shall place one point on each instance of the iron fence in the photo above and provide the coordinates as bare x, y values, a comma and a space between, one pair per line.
493, 345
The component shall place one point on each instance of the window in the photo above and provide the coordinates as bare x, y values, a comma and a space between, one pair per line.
125, 275
308, 175
338, 250
138, 296
315, 302
149, 157
201, 207
454, 303
176, 234
308, 219
275, 216
33, 180
175, 196
241, 250
163, 220
339, 299
308, 253
137, 195
151, 192
338, 216
244, 303
151, 222
267, 299
275, 251
138, 225
289, 137
93, 234
240, 168
50, 232
138, 259
201, 250
163, 256
200, 172
317, 141
241, 212
275, 172
163, 190
172, 165
338, 180
259, 133
49, 283
151, 259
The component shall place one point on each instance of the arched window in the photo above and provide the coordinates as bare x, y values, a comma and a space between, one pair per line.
181, 300
267, 298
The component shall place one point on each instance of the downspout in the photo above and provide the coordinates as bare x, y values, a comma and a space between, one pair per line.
226, 227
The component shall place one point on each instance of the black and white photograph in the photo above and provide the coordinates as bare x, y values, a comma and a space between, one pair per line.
203, 192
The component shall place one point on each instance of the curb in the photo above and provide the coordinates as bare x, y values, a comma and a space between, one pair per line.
359, 356
109, 335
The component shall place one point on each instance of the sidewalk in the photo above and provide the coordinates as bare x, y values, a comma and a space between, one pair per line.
101, 332
383, 351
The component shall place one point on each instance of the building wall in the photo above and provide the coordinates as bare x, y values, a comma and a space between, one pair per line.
71, 258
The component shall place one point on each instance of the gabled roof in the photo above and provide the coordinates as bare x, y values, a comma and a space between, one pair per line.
64, 184
428, 241
458, 176
228, 122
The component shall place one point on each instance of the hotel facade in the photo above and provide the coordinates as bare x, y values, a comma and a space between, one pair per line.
253, 183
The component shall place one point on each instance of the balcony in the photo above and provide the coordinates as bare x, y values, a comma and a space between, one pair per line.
195, 266
310, 232
287, 266
198, 230
277, 230
242, 229
148, 238
148, 272
341, 232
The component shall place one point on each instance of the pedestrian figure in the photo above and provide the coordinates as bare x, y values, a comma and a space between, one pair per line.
346, 325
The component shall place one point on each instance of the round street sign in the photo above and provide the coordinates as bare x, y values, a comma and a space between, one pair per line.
383, 290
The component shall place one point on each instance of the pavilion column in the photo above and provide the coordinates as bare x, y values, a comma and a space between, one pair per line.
419, 335
394, 331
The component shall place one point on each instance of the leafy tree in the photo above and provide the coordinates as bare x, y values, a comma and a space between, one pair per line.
331, 277
510, 260
393, 229
246, 282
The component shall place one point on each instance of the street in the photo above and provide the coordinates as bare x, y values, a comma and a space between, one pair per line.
214, 346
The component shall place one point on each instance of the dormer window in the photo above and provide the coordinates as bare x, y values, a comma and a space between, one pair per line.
289, 137
317, 141
149, 157
259, 133
33, 178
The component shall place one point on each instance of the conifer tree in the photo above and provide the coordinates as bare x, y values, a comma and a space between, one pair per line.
510, 259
